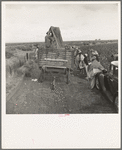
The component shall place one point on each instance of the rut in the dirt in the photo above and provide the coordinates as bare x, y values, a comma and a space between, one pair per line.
72, 98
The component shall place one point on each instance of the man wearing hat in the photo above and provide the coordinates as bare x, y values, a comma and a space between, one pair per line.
81, 61
35, 48
94, 68
36, 51
86, 64
49, 39
94, 53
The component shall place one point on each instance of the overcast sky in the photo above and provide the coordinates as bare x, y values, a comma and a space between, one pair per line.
77, 21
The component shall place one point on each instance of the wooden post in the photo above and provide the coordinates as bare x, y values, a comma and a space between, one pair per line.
65, 53
67, 76
72, 59
53, 83
40, 79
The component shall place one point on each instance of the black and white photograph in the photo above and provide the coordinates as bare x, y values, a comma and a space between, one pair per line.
62, 58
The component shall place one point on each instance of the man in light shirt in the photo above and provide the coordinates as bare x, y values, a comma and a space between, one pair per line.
36, 48
94, 68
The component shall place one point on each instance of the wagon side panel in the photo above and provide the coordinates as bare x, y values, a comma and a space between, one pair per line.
56, 54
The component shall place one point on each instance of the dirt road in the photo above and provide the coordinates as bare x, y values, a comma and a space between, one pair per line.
73, 98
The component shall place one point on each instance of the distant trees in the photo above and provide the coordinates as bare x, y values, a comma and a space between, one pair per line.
97, 39
85, 43
93, 42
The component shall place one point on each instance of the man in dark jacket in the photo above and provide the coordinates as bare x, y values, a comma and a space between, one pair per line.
86, 64
49, 39
86, 59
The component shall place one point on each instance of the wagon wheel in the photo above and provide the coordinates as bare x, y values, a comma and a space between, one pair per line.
67, 76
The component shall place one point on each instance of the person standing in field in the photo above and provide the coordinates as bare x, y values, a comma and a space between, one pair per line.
81, 62
94, 53
94, 68
36, 51
86, 65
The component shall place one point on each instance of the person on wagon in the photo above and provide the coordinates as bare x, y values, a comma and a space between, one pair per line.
36, 51
81, 62
49, 39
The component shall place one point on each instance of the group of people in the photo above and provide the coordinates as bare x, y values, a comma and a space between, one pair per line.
92, 68
88, 63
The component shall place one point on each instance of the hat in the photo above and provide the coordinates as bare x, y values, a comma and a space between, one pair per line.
86, 55
93, 58
79, 51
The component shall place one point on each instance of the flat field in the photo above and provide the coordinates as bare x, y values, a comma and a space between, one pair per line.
104, 48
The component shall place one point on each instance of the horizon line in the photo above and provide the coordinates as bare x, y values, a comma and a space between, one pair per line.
67, 41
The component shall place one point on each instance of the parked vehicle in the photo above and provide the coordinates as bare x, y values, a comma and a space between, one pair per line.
107, 81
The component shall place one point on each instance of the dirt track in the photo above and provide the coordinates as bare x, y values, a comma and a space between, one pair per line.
74, 98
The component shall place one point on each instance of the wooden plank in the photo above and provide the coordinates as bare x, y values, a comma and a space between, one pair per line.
55, 70
60, 57
62, 67
62, 60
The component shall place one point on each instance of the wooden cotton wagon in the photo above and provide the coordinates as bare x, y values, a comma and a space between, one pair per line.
55, 66
54, 60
